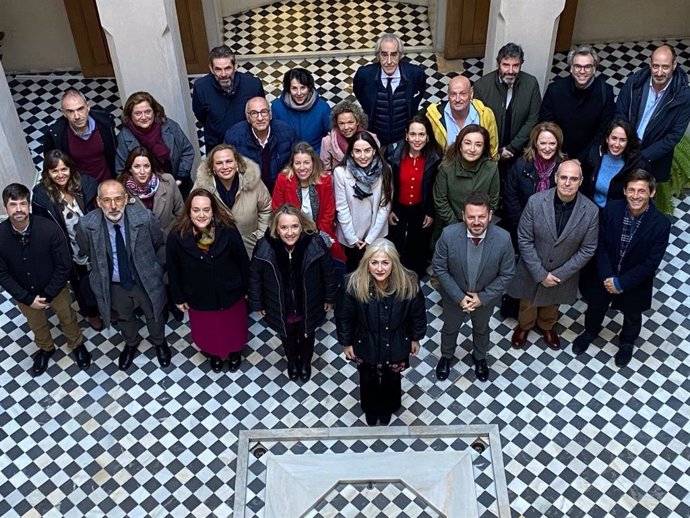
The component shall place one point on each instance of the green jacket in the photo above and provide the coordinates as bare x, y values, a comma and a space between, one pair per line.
525, 107
453, 184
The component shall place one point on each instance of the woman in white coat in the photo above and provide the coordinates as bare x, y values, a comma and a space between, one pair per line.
363, 193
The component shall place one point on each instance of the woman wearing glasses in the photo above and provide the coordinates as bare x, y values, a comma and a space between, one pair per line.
144, 124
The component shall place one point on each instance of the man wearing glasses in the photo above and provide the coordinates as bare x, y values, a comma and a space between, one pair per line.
262, 139
581, 104
389, 90
122, 241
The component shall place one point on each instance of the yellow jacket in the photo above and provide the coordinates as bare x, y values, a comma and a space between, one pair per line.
486, 120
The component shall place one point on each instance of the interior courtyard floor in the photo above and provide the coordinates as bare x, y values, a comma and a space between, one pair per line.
580, 437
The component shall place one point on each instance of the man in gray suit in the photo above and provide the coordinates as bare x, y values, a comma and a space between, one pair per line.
474, 262
557, 236
121, 241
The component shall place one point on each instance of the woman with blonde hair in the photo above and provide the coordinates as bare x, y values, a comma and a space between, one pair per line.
380, 320
236, 183
292, 285
306, 185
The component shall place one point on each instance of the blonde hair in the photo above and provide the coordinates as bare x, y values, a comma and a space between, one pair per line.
303, 148
402, 283
307, 225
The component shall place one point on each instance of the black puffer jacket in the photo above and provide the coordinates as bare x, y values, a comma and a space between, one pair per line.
267, 290
381, 331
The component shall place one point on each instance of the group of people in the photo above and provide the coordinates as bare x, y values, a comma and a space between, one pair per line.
298, 207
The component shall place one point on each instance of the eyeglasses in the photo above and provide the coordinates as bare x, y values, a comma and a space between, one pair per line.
583, 68
255, 114
117, 200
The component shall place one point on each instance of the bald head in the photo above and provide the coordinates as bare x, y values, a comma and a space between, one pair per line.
459, 96
258, 115
568, 180
662, 64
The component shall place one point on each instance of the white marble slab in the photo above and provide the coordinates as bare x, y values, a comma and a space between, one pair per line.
295, 483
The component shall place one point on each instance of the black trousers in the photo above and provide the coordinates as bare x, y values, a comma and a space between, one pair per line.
86, 300
632, 322
353, 256
411, 240
298, 345
380, 389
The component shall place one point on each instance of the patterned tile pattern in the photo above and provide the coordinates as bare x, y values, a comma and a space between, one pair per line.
313, 26
375, 501
580, 437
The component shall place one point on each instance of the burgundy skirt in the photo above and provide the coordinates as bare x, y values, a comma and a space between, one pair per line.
221, 332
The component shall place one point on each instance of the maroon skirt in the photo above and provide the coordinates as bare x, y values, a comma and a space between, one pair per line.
221, 332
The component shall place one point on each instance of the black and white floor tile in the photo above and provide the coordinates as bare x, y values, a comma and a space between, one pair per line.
319, 27
580, 437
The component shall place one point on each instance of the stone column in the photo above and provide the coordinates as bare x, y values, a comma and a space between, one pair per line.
15, 159
144, 42
533, 25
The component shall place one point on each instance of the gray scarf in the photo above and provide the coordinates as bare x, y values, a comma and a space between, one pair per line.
305, 107
364, 177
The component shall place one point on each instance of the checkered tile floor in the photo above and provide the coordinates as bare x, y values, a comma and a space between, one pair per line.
314, 26
580, 437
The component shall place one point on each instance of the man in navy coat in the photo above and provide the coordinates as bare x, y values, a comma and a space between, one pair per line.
633, 236
389, 90
656, 101
220, 96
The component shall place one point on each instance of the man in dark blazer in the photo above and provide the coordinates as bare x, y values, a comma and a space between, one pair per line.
582, 104
34, 268
474, 262
557, 236
389, 90
122, 241
633, 236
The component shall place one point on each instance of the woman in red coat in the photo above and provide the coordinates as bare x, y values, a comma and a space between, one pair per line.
308, 187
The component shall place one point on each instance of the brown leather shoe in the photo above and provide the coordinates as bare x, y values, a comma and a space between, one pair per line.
95, 322
519, 338
551, 338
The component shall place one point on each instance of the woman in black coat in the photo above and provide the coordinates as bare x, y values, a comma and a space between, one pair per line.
292, 284
65, 195
414, 163
208, 268
380, 319
533, 172
606, 164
